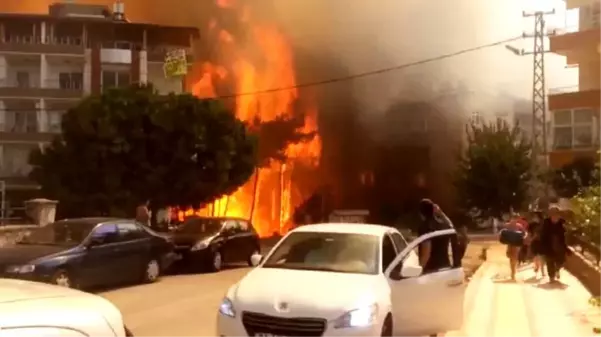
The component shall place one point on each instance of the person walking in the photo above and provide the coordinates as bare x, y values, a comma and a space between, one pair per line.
534, 251
513, 251
553, 244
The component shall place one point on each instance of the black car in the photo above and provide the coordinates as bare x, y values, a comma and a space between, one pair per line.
211, 242
88, 252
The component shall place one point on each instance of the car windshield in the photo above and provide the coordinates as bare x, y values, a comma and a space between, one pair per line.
335, 252
63, 233
201, 226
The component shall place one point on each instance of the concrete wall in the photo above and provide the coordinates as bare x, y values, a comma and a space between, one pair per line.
10, 234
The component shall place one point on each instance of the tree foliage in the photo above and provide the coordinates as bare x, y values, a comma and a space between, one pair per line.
131, 144
569, 179
586, 208
495, 170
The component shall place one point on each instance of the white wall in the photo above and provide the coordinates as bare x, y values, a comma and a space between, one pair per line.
161, 83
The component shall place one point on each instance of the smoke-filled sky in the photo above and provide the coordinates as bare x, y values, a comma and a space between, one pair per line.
364, 35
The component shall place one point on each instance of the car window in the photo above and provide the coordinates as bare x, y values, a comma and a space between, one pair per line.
243, 225
231, 226
106, 233
130, 231
388, 252
322, 251
399, 241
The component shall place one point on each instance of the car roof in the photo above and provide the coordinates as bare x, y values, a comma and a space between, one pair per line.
92, 220
214, 218
19, 290
351, 228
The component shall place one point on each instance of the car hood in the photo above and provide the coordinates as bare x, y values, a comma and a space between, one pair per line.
306, 292
21, 254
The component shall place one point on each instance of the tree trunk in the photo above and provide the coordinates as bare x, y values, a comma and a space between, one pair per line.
255, 193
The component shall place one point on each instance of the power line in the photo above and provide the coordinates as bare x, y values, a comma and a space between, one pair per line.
373, 72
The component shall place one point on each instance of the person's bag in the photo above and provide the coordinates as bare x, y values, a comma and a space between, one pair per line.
512, 237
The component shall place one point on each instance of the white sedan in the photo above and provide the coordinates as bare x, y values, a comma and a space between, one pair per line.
36, 309
345, 280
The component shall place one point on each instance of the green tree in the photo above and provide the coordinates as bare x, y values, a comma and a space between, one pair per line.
494, 172
586, 219
569, 179
131, 144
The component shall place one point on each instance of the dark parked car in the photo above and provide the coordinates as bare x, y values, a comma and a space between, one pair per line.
210, 242
88, 252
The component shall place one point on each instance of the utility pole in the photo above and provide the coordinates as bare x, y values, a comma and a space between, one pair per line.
539, 94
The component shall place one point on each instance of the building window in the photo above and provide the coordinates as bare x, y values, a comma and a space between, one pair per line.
112, 79
573, 129
70, 80
21, 121
23, 79
54, 121
15, 161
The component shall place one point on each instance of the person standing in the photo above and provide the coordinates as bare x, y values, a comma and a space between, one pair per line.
553, 244
143, 213
433, 254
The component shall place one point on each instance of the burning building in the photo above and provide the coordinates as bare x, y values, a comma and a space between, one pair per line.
253, 70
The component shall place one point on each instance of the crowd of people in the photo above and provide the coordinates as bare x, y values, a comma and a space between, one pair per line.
544, 243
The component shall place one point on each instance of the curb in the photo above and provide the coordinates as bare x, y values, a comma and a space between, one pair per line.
584, 271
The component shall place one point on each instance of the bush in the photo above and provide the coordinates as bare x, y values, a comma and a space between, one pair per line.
586, 219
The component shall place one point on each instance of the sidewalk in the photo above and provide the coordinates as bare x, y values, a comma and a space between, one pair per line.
495, 306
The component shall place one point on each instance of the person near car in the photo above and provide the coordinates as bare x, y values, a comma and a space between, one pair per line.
143, 213
513, 251
553, 244
433, 254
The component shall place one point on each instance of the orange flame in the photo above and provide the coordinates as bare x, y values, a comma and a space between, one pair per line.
272, 189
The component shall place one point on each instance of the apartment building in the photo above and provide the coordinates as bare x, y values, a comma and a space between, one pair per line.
575, 112
49, 62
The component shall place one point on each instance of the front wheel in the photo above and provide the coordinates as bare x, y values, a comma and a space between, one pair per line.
152, 271
250, 260
216, 261
62, 278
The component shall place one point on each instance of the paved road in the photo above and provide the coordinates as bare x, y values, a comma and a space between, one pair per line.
177, 305
186, 305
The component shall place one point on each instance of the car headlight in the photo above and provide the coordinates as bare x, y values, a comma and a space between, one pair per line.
199, 246
359, 317
24, 269
227, 308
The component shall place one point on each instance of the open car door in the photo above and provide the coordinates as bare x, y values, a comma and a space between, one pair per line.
426, 303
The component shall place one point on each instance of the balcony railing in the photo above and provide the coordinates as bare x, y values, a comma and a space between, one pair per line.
51, 40
51, 45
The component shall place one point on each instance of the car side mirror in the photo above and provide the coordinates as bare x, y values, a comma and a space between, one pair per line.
256, 259
409, 271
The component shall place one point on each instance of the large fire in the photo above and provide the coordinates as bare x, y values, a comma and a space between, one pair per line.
264, 61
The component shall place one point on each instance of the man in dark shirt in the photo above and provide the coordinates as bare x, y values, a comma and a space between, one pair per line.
553, 246
433, 253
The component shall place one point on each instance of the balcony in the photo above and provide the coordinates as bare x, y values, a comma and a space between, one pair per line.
22, 126
52, 45
51, 89
571, 97
575, 133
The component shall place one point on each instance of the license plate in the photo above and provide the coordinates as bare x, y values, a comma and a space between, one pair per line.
264, 334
